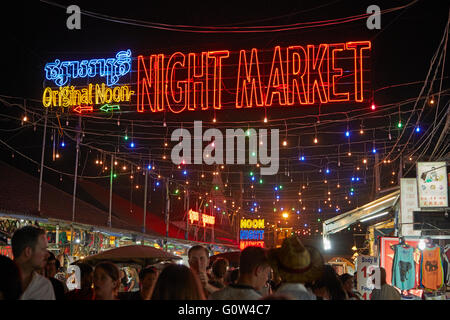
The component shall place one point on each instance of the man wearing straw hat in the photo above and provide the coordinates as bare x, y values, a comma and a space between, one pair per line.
296, 265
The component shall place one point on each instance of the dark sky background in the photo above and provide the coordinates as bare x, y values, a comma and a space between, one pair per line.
34, 33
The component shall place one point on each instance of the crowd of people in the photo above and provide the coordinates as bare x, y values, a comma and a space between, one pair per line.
292, 272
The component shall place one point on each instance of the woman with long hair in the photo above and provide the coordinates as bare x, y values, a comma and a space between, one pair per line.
106, 281
329, 286
178, 282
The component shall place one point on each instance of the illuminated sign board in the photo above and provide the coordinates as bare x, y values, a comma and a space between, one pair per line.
251, 233
112, 69
195, 216
295, 75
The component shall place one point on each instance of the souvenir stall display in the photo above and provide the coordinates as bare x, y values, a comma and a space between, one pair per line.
403, 266
415, 270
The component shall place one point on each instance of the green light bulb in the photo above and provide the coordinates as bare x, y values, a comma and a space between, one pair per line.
399, 124
126, 138
260, 181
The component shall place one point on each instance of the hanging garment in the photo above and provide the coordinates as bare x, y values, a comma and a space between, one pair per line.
447, 259
403, 268
431, 270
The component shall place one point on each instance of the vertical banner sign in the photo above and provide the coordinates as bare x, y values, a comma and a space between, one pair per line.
408, 203
432, 184
367, 275
251, 233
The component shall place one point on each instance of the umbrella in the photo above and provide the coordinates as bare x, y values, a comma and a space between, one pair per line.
134, 254
232, 257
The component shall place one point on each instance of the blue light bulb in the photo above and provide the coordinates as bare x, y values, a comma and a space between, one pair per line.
149, 167
185, 172
347, 133
353, 178
157, 183
63, 144
418, 129
320, 210
132, 145
374, 150
302, 158
276, 188
327, 171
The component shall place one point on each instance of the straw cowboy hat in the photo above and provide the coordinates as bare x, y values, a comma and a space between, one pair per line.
294, 262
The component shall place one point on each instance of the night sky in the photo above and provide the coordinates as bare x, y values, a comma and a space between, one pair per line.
34, 33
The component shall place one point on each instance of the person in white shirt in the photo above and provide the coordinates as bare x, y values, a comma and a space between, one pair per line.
29, 247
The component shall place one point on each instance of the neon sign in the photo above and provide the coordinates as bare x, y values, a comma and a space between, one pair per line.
111, 68
252, 234
194, 216
285, 76
245, 244
248, 236
252, 223
299, 75
99, 94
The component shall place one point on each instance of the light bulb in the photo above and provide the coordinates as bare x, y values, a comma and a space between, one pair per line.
315, 140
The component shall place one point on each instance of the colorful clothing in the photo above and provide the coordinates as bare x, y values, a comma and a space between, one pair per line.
431, 270
447, 259
403, 268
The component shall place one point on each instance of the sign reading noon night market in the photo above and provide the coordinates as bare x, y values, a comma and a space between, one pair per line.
296, 75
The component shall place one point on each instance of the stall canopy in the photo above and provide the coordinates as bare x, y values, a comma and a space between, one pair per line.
374, 209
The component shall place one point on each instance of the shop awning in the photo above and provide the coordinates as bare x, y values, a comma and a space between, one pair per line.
370, 210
